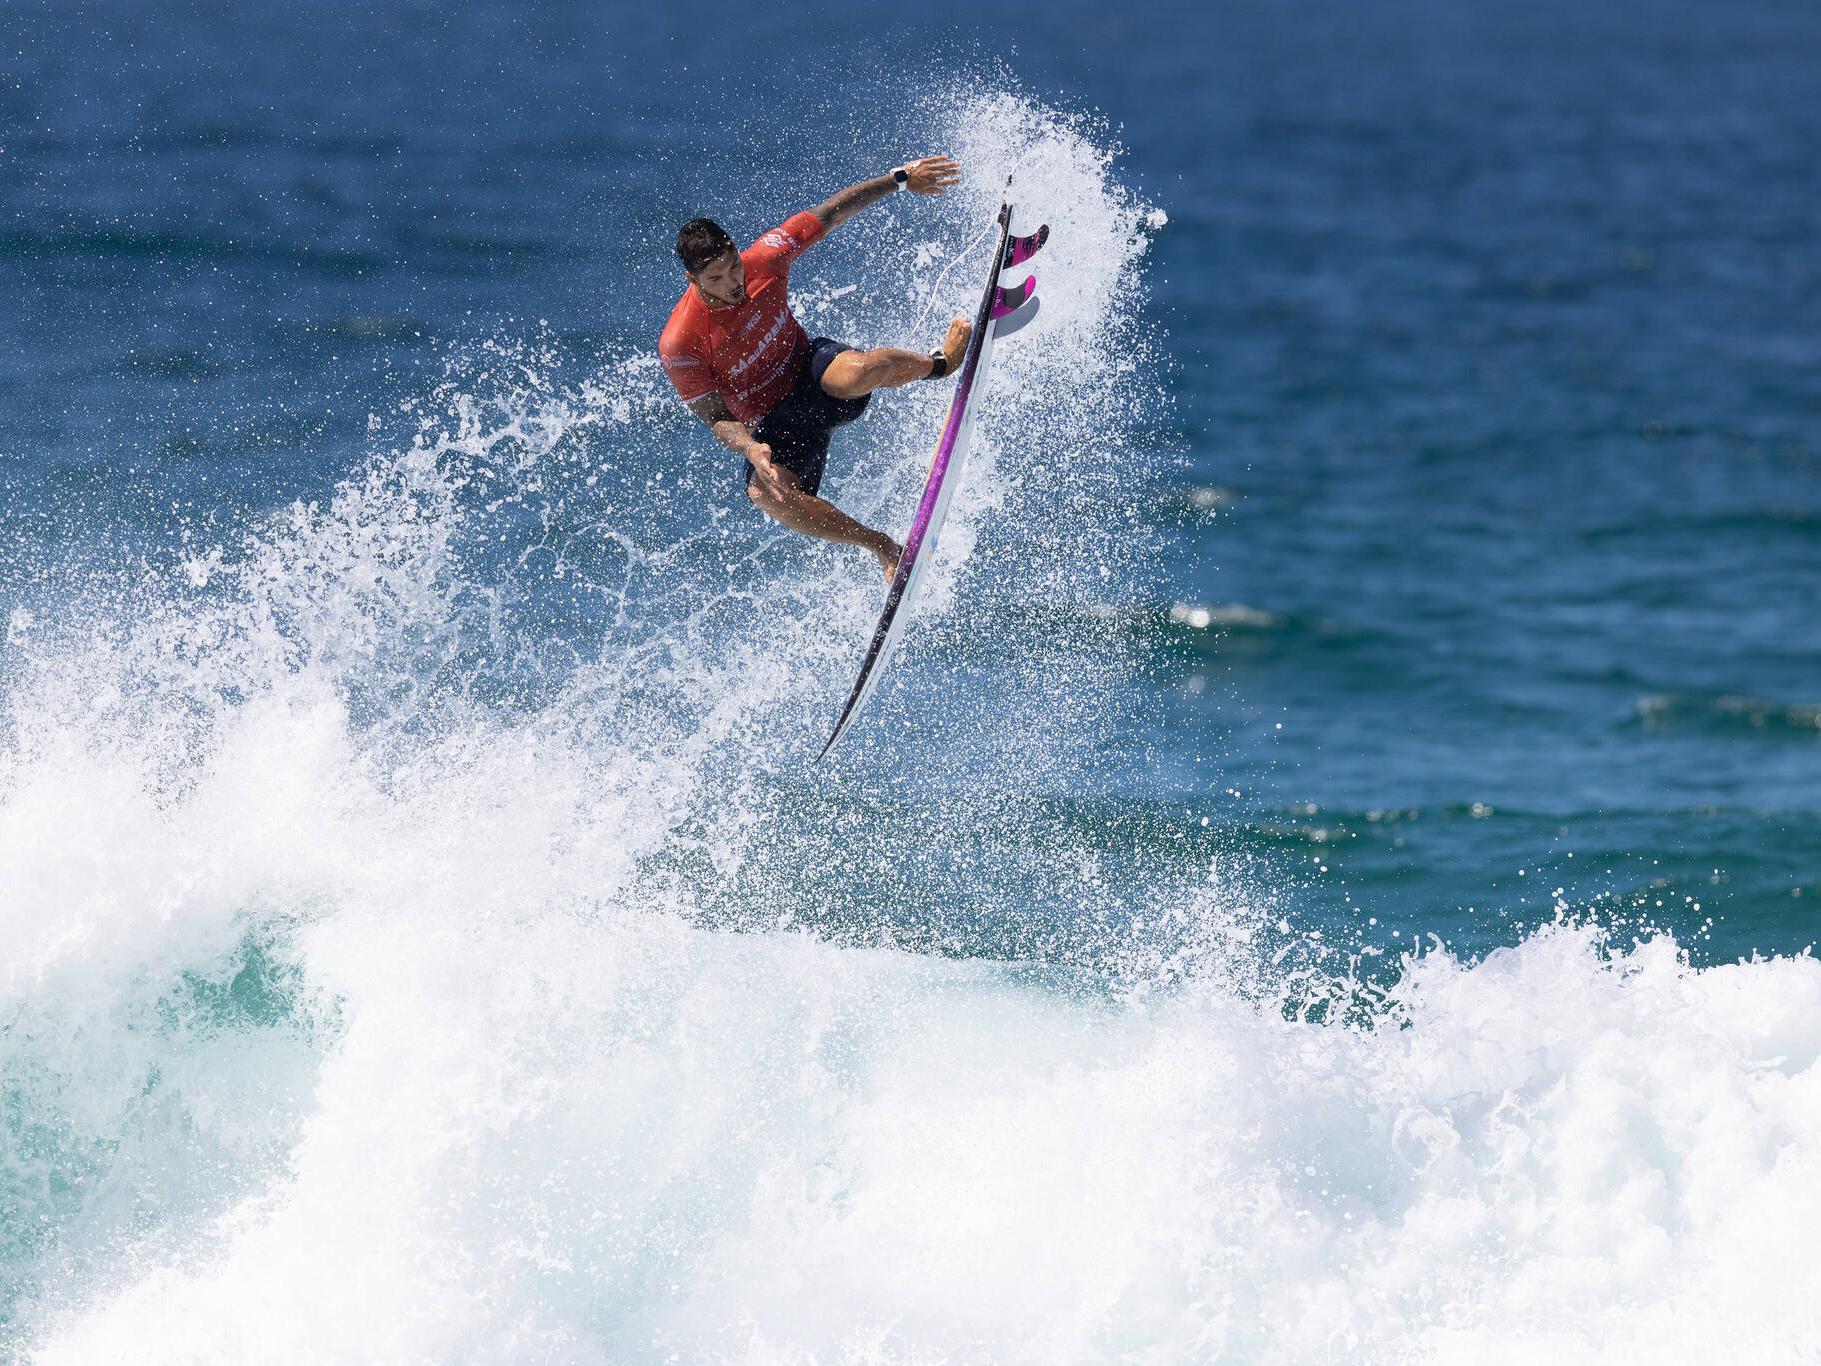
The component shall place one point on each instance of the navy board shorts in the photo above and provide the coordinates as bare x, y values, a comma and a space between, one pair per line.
797, 430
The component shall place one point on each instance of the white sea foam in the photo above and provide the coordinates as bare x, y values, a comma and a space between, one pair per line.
561, 1139
367, 996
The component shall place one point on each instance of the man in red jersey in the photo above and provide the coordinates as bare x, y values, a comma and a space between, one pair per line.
743, 363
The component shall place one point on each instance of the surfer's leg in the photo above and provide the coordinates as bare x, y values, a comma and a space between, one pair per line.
812, 516
852, 374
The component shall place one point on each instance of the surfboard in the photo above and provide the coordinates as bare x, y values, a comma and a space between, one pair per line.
1002, 311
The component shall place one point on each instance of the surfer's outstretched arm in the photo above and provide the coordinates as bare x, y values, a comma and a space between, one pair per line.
925, 175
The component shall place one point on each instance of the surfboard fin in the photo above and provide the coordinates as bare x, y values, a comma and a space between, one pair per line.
1021, 249
1011, 299
1014, 307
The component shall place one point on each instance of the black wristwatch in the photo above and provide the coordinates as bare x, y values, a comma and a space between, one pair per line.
900, 177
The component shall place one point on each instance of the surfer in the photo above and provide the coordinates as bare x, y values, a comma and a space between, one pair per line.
770, 393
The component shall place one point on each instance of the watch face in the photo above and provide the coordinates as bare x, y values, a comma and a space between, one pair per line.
901, 175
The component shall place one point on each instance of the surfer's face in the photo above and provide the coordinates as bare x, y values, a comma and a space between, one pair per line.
723, 280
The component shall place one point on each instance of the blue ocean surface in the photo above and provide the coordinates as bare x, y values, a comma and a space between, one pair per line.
1330, 877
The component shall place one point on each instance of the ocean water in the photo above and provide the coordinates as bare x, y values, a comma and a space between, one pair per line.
1331, 878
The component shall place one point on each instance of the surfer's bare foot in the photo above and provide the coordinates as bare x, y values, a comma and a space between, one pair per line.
954, 346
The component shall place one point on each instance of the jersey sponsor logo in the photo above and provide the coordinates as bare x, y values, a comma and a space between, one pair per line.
761, 346
778, 238
759, 384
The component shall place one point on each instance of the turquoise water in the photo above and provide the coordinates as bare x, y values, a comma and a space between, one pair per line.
1330, 879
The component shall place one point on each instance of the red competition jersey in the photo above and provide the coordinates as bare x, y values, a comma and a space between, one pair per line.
749, 353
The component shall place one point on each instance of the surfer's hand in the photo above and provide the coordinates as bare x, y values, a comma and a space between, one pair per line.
932, 175
776, 475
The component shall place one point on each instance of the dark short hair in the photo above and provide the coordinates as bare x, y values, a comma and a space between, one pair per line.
700, 242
